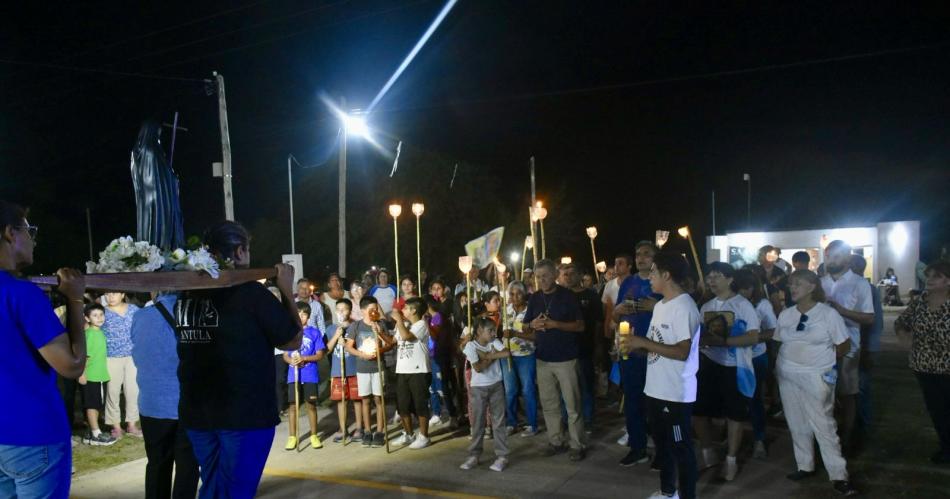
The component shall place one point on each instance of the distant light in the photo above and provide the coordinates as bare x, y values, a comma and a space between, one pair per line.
683, 231
355, 125
565, 260
514, 257
898, 239
395, 210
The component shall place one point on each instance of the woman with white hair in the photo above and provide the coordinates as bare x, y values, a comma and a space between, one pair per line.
813, 337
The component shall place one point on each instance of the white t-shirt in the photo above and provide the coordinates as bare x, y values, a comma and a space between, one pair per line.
490, 375
413, 356
386, 296
669, 379
610, 291
742, 310
520, 347
813, 348
852, 292
767, 320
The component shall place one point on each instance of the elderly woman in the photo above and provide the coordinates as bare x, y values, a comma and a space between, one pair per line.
812, 337
927, 321
122, 372
521, 377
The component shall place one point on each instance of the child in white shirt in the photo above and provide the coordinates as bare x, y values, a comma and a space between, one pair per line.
487, 390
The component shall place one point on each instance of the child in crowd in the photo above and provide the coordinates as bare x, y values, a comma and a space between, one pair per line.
365, 340
303, 371
96, 375
343, 386
413, 370
487, 393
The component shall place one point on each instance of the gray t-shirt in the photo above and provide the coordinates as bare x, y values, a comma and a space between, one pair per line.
364, 340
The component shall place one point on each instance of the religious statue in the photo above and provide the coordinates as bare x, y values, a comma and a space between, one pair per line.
157, 205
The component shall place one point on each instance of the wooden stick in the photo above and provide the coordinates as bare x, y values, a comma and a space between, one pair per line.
699, 268
145, 282
346, 429
296, 406
382, 388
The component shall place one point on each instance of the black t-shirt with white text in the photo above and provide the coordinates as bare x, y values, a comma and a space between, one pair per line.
226, 341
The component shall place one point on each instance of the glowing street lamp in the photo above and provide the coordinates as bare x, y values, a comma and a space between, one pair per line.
684, 232
592, 234
394, 211
465, 266
541, 214
662, 236
566, 260
418, 209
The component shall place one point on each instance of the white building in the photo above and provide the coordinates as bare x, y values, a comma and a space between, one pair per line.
893, 245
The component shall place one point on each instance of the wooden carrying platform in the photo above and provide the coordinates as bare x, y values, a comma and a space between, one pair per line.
146, 282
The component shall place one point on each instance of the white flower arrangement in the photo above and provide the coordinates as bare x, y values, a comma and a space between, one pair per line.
125, 255
198, 259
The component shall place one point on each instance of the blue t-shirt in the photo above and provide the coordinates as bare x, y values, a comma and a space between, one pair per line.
155, 354
555, 345
27, 381
635, 287
338, 350
311, 343
118, 329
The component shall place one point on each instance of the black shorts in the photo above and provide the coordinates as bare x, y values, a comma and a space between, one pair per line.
308, 393
412, 394
94, 395
717, 394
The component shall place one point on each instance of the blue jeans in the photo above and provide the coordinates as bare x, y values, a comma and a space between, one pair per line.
588, 380
231, 461
864, 397
524, 375
29, 471
435, 389
633, 376
760, 365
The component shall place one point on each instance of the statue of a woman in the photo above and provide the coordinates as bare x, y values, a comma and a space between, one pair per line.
157, 206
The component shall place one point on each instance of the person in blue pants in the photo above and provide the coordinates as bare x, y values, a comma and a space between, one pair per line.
635, 301
521, 378
226, 340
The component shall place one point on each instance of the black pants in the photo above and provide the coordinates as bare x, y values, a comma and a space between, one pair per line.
69, 398
280, 368
167, 447
936, 388
670, 424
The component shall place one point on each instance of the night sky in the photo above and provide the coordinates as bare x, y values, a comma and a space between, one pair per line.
634, 111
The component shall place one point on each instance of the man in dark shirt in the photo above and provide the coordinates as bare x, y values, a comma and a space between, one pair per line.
591, 310
554, 319
226, 339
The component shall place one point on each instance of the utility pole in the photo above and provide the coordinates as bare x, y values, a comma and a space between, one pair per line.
748, 216
714, 212
290, 191
225, 149
341, 264
92, 256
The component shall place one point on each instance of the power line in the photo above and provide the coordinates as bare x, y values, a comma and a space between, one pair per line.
103, 71
157, 32
674, 79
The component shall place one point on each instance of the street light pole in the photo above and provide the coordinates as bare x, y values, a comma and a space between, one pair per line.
290, 192
341, 264
748, 217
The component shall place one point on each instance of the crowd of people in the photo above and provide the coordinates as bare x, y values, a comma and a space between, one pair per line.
207, 375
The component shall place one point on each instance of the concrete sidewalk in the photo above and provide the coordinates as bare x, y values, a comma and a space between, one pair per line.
893, 464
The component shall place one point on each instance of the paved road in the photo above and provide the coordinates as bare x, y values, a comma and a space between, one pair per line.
894, 463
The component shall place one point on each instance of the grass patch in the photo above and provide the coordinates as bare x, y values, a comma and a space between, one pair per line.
90, 458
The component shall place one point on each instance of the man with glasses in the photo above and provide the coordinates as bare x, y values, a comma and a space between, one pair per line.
35, 447
554, 318
850, 295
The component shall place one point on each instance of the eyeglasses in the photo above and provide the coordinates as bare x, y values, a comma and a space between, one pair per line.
801, 323
31, 230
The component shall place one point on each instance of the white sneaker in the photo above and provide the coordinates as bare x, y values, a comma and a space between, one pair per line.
434, 421
730, 468
397, 419
529, 431
420, 442
403, 439
469, 463
660, 495
500, 464
710, 458
624, 439
760, 451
